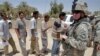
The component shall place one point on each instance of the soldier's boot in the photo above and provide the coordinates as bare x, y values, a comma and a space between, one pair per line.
12, 43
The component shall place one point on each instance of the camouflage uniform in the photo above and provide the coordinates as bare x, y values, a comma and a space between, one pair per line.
76, 43
90, 36
96, 37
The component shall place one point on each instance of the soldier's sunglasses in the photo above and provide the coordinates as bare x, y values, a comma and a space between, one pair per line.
77, 11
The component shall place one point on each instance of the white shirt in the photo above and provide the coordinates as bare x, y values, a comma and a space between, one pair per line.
33, 23
44, 25
4, 30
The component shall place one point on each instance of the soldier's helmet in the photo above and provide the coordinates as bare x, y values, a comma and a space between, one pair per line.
81, 6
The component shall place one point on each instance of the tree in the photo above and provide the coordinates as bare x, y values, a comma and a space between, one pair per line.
7, 8
25, 8
61, 7
1, 7
97, 13
55, 8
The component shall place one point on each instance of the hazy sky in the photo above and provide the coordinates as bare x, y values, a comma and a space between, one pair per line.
44, 5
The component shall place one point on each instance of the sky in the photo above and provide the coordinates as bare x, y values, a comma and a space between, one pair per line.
43, 6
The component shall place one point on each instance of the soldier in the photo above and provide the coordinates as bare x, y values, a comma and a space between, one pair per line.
57, 29
21, 32
96, 51
77, 35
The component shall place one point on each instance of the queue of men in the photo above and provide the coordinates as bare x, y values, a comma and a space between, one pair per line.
75, 39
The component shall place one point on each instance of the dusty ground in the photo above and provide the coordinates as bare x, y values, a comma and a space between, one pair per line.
87, 53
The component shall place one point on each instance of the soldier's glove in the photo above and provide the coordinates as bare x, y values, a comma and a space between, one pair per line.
63, 37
